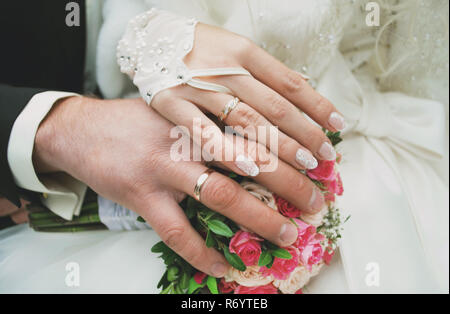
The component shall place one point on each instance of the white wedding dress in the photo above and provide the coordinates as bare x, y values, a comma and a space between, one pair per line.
391, 83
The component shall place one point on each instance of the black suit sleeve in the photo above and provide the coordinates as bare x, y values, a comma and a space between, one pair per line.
40, 52
12, 101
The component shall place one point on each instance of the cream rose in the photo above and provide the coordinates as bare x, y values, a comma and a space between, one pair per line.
251, 277
315, 219
316, 269
296, 280
260, 192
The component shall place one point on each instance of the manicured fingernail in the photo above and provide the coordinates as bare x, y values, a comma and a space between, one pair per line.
337, 121
327, 151
218, 270
317, 201
247, 165
306, 159
288, 233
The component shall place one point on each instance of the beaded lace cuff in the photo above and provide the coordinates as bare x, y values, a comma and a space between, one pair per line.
152, 50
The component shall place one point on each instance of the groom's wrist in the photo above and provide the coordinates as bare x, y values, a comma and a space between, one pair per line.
52, 137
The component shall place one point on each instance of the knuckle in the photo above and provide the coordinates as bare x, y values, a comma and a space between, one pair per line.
243, 46
285, 146
173, 236
195, 255
298, 184
293, 83
266, 216
278, 108
247, 117
324, 106
222, 194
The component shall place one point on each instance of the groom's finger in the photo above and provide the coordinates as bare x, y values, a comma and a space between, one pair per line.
228, 198
171, 224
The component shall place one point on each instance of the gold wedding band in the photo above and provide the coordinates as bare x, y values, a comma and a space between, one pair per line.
228, 108
200, 181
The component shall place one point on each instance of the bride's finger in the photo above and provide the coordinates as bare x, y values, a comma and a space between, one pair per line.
206, 134
170, 223
256, 127
293, 87
281, 113
228, 198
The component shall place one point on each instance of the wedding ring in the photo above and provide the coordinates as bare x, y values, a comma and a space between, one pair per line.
228, 108
200, 181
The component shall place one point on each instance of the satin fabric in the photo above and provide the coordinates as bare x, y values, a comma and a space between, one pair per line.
397, 202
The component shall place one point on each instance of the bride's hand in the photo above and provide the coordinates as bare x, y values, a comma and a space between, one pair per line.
121, 149
272, 96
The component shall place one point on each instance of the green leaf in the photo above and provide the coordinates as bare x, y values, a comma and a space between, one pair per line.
293, 221
282, 253
335, 138
210, 241
163, 283
194, 286
264, 259
140, 219
190, 212
168, 290
184, 281
269, 266
159, 247
234, 260
211, 282
271, 246
172, 273
220, 228
178, 290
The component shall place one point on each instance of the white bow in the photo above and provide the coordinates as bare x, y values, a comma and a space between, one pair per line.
416, 125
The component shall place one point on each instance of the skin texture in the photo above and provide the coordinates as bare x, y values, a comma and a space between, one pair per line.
121, 148
18, 215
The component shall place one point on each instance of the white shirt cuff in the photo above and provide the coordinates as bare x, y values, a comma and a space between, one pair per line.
62, 194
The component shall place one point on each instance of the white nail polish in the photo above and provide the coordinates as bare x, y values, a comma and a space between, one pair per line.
327, 151
247, 165
305, 159
336, 121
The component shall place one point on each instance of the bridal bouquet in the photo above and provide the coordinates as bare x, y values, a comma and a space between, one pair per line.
258, 266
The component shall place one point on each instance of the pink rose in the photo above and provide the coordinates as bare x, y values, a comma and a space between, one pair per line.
312, 254
199, 277
285, 208
247, 246
323, 172
267, 289
333, 188
305, 233
227, 287
281, 267
328, 254
309, 244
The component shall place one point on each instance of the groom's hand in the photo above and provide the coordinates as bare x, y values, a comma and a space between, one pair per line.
121, 149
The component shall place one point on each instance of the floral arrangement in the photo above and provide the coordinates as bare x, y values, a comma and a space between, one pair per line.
258, 266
